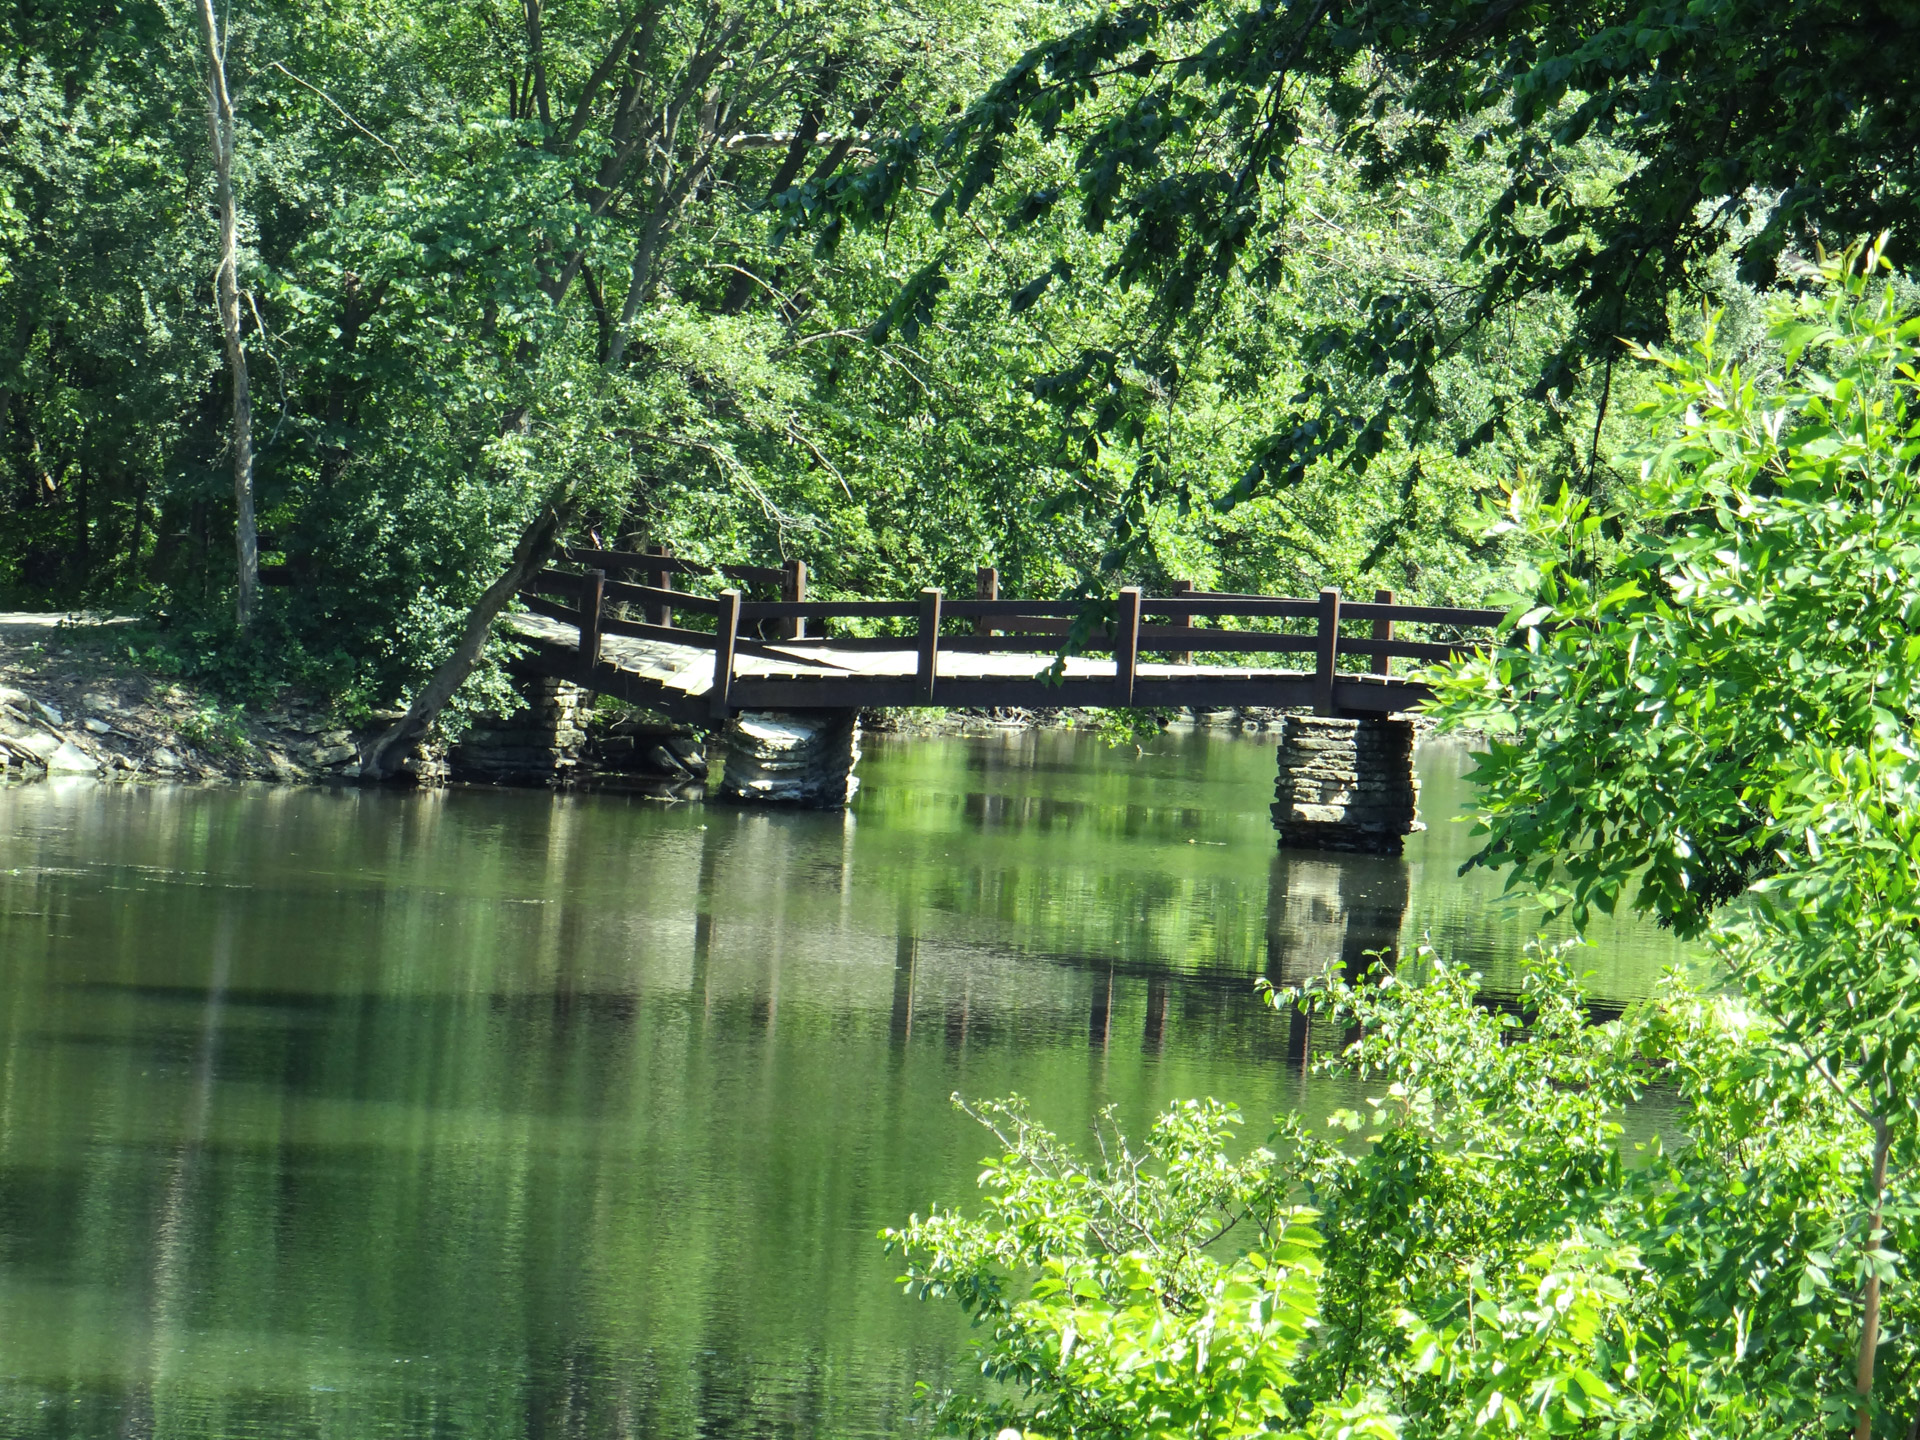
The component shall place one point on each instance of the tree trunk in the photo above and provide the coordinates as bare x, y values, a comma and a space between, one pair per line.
227, 294
529, 557
1870, 1316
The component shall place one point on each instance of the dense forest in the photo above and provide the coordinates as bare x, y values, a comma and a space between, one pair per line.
488, 255
1265, 298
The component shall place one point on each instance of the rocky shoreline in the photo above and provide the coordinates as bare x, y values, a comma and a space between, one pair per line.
69, 705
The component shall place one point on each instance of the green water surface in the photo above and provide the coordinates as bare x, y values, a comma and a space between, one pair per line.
491, 1113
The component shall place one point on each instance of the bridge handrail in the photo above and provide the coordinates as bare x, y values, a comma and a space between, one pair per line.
1252, 607
665, 564
560, 580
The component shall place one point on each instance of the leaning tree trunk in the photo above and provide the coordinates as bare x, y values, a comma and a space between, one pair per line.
227, 294
529, 556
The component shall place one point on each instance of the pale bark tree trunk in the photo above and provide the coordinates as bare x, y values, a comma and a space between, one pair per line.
1870, 1317
529, 557
227, 294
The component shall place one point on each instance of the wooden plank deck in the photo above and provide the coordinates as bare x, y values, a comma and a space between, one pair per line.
678, 678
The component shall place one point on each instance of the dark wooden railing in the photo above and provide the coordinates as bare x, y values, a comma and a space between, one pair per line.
998, 624
660, 566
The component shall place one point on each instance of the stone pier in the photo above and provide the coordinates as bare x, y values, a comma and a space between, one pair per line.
1346, 785
790, 757
539, 745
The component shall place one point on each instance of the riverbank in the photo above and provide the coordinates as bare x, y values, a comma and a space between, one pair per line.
75, 700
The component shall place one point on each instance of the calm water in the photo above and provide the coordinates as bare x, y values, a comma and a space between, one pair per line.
500, 1114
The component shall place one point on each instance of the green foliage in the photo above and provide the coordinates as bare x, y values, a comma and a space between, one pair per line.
1681, 670
1475, 1256
469, 288
1712, 695
216, 728
1605, 157
1119, 1337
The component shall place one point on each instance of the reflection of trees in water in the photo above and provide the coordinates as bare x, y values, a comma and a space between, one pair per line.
906, 963
1330, 911
1100, 1012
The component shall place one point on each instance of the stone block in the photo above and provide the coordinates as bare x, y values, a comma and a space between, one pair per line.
540, 743
71, 760
38, 743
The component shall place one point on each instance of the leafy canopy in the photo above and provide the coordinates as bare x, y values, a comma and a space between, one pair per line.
1673, 698
1635, 143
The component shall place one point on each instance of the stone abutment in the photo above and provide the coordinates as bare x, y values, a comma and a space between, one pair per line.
791, 757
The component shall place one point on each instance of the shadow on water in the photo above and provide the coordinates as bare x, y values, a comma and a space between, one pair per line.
507, 1114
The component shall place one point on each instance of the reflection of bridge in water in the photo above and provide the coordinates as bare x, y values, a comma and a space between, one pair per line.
927, 973
1324, 912
1327, 913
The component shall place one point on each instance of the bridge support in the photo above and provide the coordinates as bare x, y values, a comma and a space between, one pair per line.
1346, 784
537, 745
790, 757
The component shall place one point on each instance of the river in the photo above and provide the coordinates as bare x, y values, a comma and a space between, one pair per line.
490, 1113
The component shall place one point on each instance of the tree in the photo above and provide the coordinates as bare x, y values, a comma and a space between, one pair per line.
448, 338
227, 299
1639, 143
1712, 695
628, 139
1471, 1252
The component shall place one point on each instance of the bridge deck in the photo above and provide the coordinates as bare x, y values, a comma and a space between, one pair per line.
679, 678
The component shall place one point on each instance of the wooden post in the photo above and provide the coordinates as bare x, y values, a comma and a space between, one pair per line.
593, 593
726, 630
1182, 618
929, 641
1383, 630
661, 614
1326, 651
986, 587
794, 590
1126, 644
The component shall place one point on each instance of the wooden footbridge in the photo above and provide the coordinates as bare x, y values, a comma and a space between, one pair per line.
705, 658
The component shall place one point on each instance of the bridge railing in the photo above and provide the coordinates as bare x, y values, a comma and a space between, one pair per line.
659, 566
995, 625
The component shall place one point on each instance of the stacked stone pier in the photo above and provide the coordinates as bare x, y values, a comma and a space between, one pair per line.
1346, 784
539, 744
802, 758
